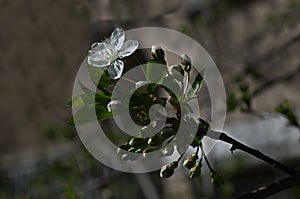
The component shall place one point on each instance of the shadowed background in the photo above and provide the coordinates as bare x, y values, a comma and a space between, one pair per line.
42, 44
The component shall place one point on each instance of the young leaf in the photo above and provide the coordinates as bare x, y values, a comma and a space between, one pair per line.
87, 99
86, 89
156, 71
100, 78
86, 114
232, 102
71, 194
286, 110
197, 84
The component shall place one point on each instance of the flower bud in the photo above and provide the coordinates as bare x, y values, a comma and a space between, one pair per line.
137, 142
196, 142
132, 150
168, 170
147, 153
186, 62
216, 179
190, 161
155, 140
177, 72
124, 147
195, 171
157, 53
122, 150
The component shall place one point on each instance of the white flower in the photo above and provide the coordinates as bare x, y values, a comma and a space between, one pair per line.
106, 53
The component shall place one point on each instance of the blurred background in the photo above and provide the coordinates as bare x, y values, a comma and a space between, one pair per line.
255, 44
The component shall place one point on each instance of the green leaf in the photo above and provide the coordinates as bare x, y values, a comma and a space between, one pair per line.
86, 89
232, 102
286, 110
80, 100
86, 114
70, 193
100, 78
172, 87
88, 99
197, 84
156, 71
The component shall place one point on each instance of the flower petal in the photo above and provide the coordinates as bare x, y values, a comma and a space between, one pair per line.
96, 59
97, 46
128, 48
115, 69
117, 39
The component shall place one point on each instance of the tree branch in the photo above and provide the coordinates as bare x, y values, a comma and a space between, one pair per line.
273, 188
256, 153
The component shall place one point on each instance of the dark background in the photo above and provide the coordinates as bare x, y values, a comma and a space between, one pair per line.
43, 42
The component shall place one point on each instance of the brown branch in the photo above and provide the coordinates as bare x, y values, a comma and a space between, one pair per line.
273, 188
256, 153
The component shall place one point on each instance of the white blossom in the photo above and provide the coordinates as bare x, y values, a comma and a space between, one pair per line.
107, 53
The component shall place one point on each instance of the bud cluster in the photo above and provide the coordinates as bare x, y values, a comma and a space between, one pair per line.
194, 167
147, 145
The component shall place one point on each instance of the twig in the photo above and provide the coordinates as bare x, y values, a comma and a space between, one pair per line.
256, 153
273, 188
205, 158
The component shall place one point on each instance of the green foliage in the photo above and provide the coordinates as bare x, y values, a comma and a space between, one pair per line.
286, 110
88, 99
197, 84
156, 71
232, 102
56, 133
216, 179
195, 171
190, 161
84, 115
294, 5
241, 98
70, 193
164, 87
100, 78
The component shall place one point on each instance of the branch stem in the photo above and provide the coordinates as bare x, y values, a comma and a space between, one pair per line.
256, 153
273, 188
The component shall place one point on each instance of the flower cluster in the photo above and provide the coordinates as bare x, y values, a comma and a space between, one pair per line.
172, 80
